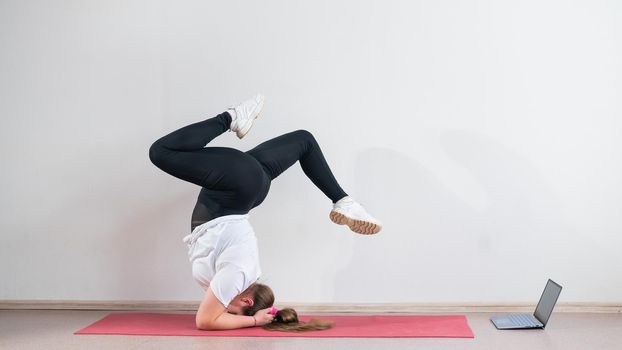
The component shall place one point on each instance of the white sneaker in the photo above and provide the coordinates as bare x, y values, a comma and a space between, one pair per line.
244, 114
348, 212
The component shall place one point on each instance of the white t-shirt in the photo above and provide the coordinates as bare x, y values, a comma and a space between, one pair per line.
224, 256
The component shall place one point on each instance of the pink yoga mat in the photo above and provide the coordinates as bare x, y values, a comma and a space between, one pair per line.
385, 326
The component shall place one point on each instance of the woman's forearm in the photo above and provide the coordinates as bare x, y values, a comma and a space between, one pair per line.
228, 321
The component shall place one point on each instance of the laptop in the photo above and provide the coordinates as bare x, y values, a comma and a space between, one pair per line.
539, 318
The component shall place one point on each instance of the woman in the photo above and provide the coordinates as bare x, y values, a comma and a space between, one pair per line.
222, 245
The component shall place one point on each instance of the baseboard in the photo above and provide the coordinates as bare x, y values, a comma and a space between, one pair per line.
142, 305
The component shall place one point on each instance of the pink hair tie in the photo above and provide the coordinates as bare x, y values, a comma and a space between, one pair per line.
273, 311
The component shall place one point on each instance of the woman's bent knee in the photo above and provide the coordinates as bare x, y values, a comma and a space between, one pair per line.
155, 153
304, 134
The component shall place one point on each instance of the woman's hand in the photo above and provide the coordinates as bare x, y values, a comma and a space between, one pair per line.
264, 316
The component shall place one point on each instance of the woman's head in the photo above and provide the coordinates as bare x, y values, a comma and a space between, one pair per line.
259, 296
256, 297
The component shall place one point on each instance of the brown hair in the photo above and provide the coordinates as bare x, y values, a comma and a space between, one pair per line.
262, 296
285, 320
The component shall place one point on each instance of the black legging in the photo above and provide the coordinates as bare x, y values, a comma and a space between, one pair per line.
232, 181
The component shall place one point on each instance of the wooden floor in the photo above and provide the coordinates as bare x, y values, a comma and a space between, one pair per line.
52, 329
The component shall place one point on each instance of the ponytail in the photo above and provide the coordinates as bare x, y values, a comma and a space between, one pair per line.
286, 320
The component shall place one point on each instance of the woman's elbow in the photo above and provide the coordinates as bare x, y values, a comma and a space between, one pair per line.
203, 324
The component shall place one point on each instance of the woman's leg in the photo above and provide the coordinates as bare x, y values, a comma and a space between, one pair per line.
230, 178
279, 153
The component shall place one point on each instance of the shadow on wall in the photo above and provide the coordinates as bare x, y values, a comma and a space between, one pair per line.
436, 243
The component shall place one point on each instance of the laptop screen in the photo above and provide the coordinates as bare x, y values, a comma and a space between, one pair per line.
547, 301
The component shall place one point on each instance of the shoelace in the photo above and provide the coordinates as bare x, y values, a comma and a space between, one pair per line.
356, 208
349, 204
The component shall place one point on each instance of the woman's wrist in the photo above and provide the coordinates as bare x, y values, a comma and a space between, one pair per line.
254, 319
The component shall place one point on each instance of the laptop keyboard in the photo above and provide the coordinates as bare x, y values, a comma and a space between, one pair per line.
521, 320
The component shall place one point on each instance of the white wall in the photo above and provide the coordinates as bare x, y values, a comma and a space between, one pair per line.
484, 134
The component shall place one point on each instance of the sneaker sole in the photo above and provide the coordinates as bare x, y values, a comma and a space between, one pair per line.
250, 123
358, 226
